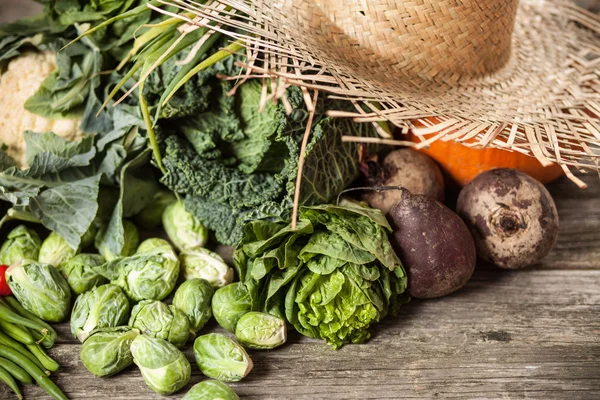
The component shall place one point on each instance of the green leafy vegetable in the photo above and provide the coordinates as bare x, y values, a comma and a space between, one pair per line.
238, 165
158, 320
183, 228
193, 298
103, 307
331, 278
79, 272
106, 351
210, 390
229, 303
147, 275
20, 244
56, 251
164, 368
41, 289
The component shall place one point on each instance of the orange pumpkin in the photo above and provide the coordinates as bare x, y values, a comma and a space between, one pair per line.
464, 163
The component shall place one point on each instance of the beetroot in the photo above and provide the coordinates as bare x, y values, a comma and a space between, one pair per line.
407, 168
434, 245
512, 217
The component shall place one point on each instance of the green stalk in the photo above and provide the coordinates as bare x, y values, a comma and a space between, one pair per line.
151, 133
131, 13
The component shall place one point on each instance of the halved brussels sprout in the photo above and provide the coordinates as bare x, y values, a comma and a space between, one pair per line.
104, 307
56, 251
131, 240
21, 243
156, 319
80, 274
164, 368
147, 275
107, 350
193, 298
205, 264
229, 304
41, 289
210, 390
183, 228
221, 358
259, 331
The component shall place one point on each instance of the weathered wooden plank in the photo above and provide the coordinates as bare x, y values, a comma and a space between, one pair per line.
508, 334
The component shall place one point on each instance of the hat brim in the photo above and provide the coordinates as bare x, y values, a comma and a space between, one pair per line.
544, 102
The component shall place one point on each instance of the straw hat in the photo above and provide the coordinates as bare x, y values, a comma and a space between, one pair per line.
522, 75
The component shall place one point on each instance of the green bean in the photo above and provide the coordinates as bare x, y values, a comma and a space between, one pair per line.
17, 307
8, 379
44, 340
16, 332
44, 358
10, 342
19, 373
34, 371
7, 314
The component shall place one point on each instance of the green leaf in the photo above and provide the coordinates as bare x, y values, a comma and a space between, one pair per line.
68, 209
80, 153
137, 189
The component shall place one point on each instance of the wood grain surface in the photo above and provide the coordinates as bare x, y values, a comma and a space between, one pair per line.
530, 334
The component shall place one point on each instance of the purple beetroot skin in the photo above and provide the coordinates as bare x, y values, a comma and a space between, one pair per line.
434, 245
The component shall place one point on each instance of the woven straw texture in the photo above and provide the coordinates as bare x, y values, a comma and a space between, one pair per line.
523, 76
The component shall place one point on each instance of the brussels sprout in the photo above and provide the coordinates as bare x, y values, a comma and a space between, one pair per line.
149, 275
193, 298
158, 320
151, 244
221, 358
131, 238
205, 264
56, 251
104, 307
164, 368
259, 331
80, 274
41, 289
229, 304
107, 350
151, 215
183, 228
21, 243
210, 390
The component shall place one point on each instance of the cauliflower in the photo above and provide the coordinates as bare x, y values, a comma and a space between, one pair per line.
21, 79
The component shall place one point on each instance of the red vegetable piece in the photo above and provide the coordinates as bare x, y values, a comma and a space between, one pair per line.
4, 289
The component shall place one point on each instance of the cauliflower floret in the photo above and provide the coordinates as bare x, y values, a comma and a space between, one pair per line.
22, 78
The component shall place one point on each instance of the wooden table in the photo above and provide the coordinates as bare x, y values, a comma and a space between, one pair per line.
507, 335
530, 334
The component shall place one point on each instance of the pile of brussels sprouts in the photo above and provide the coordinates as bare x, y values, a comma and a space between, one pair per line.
119, 313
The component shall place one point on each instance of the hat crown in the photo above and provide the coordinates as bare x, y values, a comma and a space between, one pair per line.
412, 42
